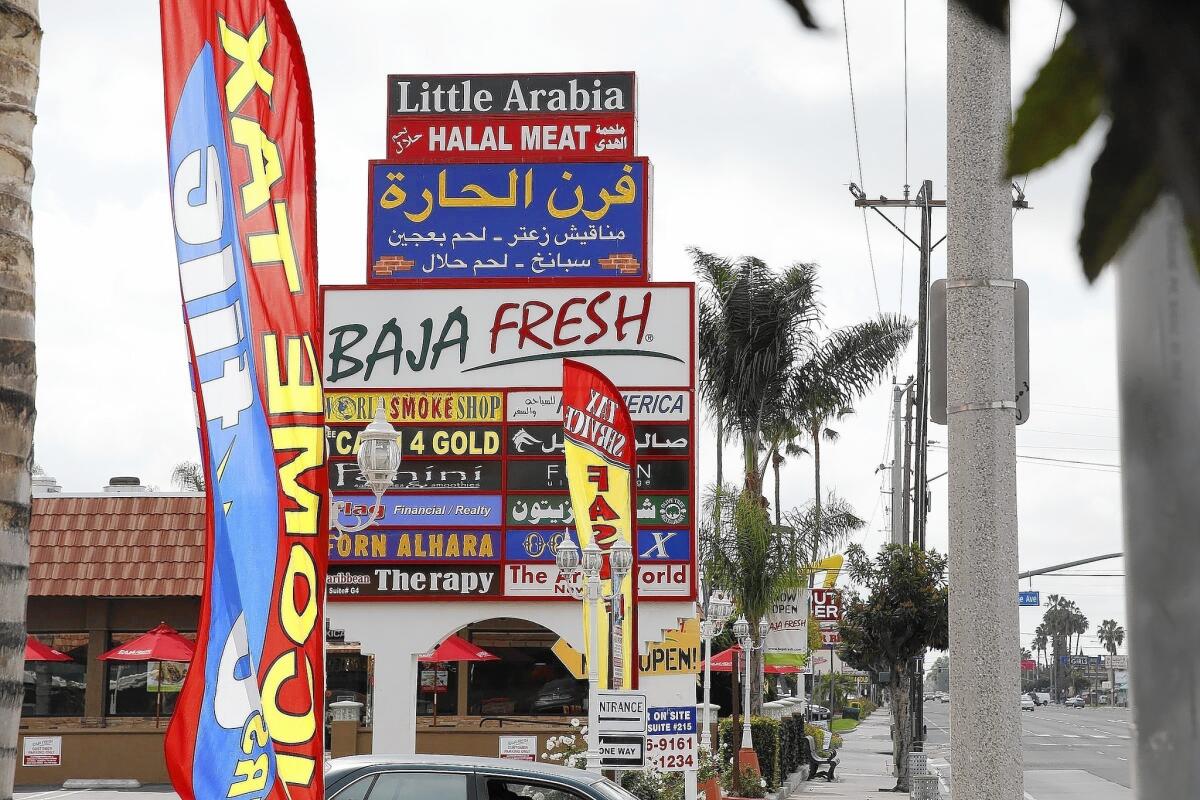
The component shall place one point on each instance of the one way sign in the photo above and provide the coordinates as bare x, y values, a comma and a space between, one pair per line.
622, 751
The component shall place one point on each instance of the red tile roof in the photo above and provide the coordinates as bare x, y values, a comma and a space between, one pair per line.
119, 545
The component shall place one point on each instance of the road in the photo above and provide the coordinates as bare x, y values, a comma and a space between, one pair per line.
1067, 752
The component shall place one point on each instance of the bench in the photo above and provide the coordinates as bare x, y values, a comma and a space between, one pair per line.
818, 766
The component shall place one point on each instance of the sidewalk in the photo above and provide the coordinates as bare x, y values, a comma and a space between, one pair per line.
865, 765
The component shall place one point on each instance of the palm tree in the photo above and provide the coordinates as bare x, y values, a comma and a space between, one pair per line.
1111, 637
1040, 641
188, 476
747, 561
755, 328
20, 53
844, 366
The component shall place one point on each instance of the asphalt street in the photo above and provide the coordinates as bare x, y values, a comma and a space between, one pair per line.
1067, 753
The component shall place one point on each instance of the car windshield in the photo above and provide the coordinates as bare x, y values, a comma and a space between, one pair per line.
607, 788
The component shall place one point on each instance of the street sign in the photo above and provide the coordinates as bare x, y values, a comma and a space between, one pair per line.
623, 751
1029, 598
671, 738
621, 712
827, 605
937, 350
1120, 661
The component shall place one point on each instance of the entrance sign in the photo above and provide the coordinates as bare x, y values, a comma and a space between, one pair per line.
621, 711
671, 744
486, 221
41, 751
241, 167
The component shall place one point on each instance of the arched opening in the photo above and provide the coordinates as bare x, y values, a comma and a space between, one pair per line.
529, 680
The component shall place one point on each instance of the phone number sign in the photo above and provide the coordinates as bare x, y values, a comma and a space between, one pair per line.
671, 744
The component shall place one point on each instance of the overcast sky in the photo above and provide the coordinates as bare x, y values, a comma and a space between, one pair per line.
746, 118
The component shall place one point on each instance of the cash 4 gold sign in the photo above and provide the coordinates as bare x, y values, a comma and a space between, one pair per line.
468, 337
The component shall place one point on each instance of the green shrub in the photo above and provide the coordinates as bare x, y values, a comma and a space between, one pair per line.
790, 737
765, 732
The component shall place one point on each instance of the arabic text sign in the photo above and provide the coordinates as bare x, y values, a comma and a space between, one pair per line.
482, 221
538, 93
537, 440
535, 545
436, 138
546, 406
465, 338
415, 476
542, 475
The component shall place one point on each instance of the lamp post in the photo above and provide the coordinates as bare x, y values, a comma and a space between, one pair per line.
583, 582
719, 610
378, 460
741, 631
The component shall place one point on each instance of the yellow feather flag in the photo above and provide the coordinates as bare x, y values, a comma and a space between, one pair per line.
599, 450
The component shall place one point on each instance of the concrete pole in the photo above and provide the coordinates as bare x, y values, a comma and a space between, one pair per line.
981, 391
1158, 334
897, 466
592, 756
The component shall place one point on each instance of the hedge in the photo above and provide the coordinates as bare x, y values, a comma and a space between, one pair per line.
765, 732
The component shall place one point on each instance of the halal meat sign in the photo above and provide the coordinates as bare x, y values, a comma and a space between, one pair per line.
827, 605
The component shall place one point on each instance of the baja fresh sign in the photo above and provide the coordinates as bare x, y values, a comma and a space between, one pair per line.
468, 337
787, 631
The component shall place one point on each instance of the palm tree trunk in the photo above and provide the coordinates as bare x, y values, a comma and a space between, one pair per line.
753, 483
775, 469
818, 506
20, 48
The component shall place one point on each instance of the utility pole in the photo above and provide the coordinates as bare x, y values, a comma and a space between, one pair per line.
1158, 328
981, 405
900, 465
908, 448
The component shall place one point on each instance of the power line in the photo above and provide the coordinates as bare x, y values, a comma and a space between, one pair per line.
858, 154
1068, 433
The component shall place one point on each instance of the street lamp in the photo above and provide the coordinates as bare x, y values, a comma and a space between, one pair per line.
378, 460
741, 630
584, 583
719, 610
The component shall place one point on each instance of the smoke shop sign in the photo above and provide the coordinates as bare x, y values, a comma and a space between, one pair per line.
451, 338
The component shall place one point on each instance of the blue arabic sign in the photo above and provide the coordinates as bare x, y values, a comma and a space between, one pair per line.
533, 545
473, 221
1029, 598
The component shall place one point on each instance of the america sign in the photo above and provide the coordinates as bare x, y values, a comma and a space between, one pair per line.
241, 174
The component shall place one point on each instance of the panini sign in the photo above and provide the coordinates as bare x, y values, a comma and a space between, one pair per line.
455, 338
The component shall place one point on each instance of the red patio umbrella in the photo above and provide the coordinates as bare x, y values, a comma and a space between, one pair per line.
36, 651
161, 644
723, 662
454, 648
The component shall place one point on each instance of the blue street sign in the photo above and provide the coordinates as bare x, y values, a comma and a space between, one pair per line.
1029, 598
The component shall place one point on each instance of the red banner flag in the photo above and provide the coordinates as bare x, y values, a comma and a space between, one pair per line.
249, 720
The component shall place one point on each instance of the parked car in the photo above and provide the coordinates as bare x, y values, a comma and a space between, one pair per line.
1026, 704
1075, 702
461, 778
1037, 699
